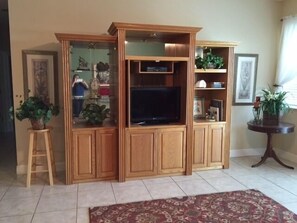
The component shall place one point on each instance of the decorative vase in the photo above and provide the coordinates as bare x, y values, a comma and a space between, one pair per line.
211, 66
256, 113
37, 124
269, 119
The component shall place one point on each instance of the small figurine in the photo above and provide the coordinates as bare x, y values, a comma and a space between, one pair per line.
82, 64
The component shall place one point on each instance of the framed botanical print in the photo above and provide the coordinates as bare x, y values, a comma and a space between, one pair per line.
40, 70
245, 78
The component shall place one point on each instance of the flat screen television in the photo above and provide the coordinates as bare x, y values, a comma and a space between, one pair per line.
155, 105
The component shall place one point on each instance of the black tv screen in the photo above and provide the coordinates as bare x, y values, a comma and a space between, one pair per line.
153, 105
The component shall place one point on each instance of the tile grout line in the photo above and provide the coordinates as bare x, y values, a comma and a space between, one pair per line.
115, 198
37, 204
77, 203
147, 190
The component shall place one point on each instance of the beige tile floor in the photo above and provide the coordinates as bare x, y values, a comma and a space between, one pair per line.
69, 203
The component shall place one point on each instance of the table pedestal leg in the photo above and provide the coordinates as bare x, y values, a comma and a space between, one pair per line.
270, 153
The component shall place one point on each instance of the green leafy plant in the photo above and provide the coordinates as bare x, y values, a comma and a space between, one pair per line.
274, 101
95, 114
35, 108
209, 60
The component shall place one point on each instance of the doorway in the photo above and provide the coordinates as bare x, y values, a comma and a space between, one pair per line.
7, 131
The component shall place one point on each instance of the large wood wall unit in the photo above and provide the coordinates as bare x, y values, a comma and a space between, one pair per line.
122, 150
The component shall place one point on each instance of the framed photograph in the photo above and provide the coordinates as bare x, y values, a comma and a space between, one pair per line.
198, 108
245, 79
40, 70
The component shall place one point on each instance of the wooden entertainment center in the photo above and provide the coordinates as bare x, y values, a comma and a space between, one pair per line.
146, 56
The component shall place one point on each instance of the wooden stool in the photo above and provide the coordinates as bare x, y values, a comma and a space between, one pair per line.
34, 153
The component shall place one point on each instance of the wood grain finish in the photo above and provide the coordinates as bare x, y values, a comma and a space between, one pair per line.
179, 45
217, 157
228, 105
208, 145
84, 155
200, 143
141, 153
164, 30
216, 138
207, 43
94, 154
157, 58
78, 170
103, 39
67, 105
171, 150
157, 150
106, 153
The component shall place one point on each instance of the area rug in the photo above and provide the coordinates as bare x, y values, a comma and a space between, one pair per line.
237, 206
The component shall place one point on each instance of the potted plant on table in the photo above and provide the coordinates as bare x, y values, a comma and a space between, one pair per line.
272, 103
37, 110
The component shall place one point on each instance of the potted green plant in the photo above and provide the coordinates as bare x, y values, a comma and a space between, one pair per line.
272, 103
38, 111
209, 60
95, 114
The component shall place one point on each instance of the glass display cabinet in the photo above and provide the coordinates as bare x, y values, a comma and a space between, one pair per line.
89, 77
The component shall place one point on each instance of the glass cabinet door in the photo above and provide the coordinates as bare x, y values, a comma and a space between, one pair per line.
93, 69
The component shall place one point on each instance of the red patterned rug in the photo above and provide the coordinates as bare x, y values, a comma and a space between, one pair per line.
237, 206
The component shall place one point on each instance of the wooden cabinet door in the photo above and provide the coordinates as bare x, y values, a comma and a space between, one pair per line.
141, 155
200, 144
171, 146
216, 143
106, 153
83, 154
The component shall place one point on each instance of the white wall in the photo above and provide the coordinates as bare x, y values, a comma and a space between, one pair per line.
253, 23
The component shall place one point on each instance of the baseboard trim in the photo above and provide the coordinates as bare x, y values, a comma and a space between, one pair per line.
286, 155
247, 152
22, 169
260, 152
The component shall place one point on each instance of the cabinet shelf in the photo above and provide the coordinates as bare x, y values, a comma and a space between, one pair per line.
156, 58
81, 71
209, 89
204, 121
209, 71
153, 67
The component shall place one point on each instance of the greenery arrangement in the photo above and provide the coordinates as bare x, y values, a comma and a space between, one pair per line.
35, 108
209, 60
95, 114
274, 101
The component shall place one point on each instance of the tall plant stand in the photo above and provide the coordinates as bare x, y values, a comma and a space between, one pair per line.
34, 153
280, 128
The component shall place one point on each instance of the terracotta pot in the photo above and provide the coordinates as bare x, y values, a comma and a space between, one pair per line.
269, 119
37, 124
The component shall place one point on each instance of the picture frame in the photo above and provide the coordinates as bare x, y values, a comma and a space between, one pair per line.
198, 108
245, 78
40, 73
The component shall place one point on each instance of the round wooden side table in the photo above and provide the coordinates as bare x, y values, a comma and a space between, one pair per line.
281, 128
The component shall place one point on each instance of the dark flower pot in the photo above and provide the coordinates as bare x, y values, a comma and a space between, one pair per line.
37, 124
269, 119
